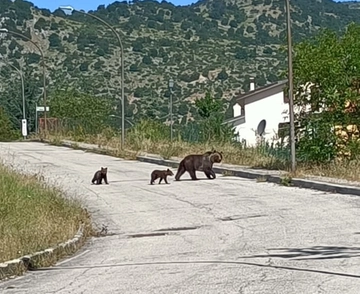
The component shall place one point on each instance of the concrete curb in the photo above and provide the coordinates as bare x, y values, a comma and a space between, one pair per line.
77, 146
47, 257
295, 182
239, 172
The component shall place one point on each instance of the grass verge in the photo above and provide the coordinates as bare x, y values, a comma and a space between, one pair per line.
34, 216
249, 157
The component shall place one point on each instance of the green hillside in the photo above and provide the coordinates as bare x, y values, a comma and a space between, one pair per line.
211, 45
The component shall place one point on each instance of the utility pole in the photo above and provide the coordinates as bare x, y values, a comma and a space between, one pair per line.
171, 85
291, 89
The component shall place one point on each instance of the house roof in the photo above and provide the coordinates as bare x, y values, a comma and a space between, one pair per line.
263, 92
235, 121
255, 95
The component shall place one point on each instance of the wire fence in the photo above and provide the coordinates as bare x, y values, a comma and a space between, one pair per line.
190, 133
74, 126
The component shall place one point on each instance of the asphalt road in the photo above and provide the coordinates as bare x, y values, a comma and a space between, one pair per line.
228, 235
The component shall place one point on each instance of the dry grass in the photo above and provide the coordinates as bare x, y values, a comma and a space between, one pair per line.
249, 157
33, 216
232, 154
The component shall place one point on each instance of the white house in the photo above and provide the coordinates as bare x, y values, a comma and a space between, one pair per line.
265, 103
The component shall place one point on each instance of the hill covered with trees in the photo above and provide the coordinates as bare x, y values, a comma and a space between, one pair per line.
212, 45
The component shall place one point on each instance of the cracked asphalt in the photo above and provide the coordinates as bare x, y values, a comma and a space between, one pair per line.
228, 235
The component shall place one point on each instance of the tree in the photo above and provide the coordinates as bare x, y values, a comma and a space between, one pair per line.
11, 97
7, 133
133, 67
152, 24
83, 113
54, 40
41, 24
84, 66
225, 21
211, 111
233, 23
241, 53
188, 35
147, 60
327, 81
268, 50
222, 75
12, 45
153, 52
137, 46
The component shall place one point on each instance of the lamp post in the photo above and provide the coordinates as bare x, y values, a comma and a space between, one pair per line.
171, 85
291, 86
70, 8
23, 95
3, 30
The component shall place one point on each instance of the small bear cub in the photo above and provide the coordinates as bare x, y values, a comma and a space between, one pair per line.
162, 174
99, 176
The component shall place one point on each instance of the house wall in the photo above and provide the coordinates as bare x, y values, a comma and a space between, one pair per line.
272, 109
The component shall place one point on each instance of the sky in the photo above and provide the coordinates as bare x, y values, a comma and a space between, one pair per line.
89, 4
93, 4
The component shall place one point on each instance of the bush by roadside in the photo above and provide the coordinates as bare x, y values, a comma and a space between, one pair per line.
34, 216
6, 131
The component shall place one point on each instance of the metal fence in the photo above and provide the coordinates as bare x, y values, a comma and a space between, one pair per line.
70, 125
277, 151
190, 133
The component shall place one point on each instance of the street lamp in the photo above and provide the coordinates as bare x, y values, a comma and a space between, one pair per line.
24, 129
171, 85
3, 30
71, 9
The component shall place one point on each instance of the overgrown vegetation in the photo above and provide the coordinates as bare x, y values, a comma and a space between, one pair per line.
7, 133
33, 216
327, 86
148, 137
78, 112
212, 129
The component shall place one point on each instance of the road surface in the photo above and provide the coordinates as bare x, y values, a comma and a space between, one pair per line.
228, 235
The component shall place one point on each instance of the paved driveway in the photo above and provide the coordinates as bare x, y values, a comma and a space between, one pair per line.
228, 235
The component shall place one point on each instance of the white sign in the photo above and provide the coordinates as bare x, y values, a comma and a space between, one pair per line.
24, 127
42, 108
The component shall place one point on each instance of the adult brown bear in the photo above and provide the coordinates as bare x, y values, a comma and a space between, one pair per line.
199, 162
